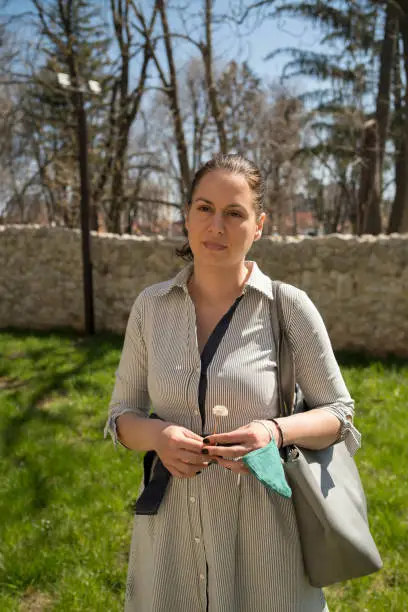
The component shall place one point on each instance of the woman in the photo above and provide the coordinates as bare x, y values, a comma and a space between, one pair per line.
208, 536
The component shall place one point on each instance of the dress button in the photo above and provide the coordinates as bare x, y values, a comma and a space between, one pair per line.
202, 577
192, 499
196, 412
197, 540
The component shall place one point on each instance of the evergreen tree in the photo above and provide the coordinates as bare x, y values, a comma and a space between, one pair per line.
359, 72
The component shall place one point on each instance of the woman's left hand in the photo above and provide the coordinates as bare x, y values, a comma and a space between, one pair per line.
242, 440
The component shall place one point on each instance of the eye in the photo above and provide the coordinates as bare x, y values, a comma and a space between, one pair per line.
234, 213
203, 207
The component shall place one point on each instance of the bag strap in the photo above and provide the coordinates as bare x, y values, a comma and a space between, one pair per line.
286, 367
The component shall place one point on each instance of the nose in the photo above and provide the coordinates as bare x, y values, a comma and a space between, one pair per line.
217, 224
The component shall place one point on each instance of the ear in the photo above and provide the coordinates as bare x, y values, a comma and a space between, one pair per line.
259, 226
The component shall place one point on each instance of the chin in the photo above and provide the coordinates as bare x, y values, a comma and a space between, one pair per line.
219, 259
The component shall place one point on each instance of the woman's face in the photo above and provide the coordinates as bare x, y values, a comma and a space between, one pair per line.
221, 221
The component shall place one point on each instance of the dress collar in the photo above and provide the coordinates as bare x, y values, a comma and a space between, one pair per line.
257, 280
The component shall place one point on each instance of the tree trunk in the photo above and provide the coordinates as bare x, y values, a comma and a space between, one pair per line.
400, 202
294, 220
94, 223
398, 221
211, 86
279, 200
118, 203
373, 152
369, 190
336, 216
173, 96
387, 61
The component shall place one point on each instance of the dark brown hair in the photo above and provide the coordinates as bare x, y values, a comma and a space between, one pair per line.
236, 164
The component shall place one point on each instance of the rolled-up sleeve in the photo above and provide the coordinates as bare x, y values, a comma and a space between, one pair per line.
130, 393
317, 370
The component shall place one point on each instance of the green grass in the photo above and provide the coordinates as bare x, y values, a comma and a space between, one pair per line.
65, 494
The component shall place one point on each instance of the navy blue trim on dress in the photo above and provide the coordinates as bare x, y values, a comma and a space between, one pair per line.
155, 487
208, 353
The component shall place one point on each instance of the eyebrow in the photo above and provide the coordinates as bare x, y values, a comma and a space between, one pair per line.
232, 205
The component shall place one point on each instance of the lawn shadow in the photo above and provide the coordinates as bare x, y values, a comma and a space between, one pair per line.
362, 359
50, 368
50, 380
37, 494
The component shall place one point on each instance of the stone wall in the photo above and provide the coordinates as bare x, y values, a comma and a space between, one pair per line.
359, 284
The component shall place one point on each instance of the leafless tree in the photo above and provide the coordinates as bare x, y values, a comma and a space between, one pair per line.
376, 131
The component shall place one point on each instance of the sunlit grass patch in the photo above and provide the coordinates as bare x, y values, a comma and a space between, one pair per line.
66, 494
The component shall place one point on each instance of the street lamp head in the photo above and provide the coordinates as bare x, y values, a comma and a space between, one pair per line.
95, 87
63, 79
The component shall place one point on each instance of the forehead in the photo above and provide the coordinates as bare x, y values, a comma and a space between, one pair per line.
224, 187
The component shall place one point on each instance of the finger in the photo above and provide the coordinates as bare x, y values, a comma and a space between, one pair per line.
191, 444
230, 437
191, 435
195, 465
193, 459
238, 467
226, 451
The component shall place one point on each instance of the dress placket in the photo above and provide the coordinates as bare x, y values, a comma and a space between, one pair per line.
194, 485
194, 488
195, 361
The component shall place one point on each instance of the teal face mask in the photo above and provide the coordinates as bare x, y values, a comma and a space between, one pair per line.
266, 465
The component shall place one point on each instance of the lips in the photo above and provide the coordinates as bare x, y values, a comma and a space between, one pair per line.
214, 246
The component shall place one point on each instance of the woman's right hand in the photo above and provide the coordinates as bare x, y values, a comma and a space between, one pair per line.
180, 451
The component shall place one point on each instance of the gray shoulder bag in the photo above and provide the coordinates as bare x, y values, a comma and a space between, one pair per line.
327, 493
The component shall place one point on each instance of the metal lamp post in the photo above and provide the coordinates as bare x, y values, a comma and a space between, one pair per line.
82, 137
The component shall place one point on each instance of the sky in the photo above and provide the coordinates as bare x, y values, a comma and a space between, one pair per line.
269, 36
275, 34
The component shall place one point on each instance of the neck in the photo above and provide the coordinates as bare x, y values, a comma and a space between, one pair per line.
214, 284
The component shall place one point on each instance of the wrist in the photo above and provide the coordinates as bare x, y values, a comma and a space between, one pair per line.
281, 441
157, 430
267, 426
139, 434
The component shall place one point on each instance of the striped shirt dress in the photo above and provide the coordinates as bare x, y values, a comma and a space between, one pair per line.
221, 542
